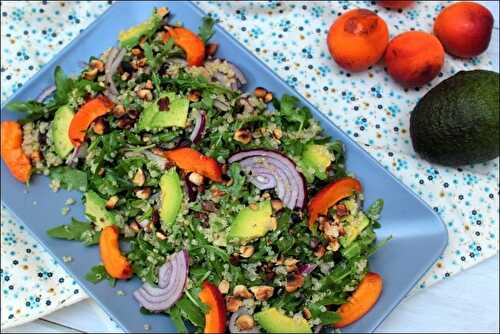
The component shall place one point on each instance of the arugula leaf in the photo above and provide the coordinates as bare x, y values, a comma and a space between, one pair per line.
34, 110
69, 178
76, 230
292, 113
374, 210
148, 52
206, 30
191, 311
97, 274
176, 316
185, 81
64, 85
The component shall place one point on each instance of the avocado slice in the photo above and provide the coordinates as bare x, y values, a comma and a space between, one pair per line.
315, 160
354, 224
95, 208
275, 321
251, 223
154, 119
60, 128
131, 37
457, 122
171, 197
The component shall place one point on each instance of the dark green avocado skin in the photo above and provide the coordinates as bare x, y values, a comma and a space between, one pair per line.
457, 122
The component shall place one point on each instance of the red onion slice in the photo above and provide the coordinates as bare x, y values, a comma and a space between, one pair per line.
46, 93
307, 268
199, 126
290, 185
114, 59
172, 280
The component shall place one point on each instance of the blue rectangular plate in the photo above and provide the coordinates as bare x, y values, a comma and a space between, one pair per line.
419, 236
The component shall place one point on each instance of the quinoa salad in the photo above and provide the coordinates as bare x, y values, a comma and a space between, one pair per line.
237, 207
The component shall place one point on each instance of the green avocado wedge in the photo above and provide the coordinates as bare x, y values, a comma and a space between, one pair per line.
60, 128
275, 321
251, 223
171, 197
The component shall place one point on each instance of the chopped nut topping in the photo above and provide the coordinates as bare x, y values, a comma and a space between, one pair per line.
36, 155
149, 84
125, 123
90, 74
161, 236
211, 49
141, 62
125, 76
194, 96
277, 204
145, 94
277, 133
98, 64
262, 292
260, 92
135, 227
245, 322
243, 136
99, 126
217, 192
162, 11
196, 178
319, 251
224, 286
253, 206
241, 291
119, 110
291, 264
143, 193
111, 203
247, 251
233, 304
274, 223
331, 230
139, 178
269, 97
294, 282
334, 245
136, 52
306, 313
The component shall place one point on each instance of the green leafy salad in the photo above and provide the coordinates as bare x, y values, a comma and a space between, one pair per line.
236, 205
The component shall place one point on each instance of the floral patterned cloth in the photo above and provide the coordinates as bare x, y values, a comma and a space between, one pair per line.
290, 38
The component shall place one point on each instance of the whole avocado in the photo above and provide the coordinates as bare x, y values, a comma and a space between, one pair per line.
457, 122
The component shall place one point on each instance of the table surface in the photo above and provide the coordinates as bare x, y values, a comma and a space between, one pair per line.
467, 302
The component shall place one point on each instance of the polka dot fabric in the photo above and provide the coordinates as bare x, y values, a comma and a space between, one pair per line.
290, 38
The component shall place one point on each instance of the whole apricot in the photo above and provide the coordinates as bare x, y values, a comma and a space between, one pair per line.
357, 39
395, 4
464, 28
414, 58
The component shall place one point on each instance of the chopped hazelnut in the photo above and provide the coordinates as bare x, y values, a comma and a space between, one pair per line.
135, 227
98, 64
294, 282
161, 236
211, 49
111, 203
253, 206
319, 251
277, 133
277, 204
273, 223
233, 304
136, 52
145, 94
149, 84
262, 292
196, 178
247, 251
217, 192
260, 92
194, 96
141, 62
241, 291
162, 11
245, 322
99, 126
119, 110
90, 74
125, 76
306, 313
243, 136
224, 287
139, 178
291, 264
143, 193
334, 245
268, 97
36, 156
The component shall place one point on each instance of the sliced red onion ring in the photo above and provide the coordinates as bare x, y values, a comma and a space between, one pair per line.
114, 59
233, 328
239, 75
160, 161
307, 268
46, 93
221, 105
290, 185
171, 284
199, 126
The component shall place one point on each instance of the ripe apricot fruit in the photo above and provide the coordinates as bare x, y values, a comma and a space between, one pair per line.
414, 58
464, 29
357, 39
